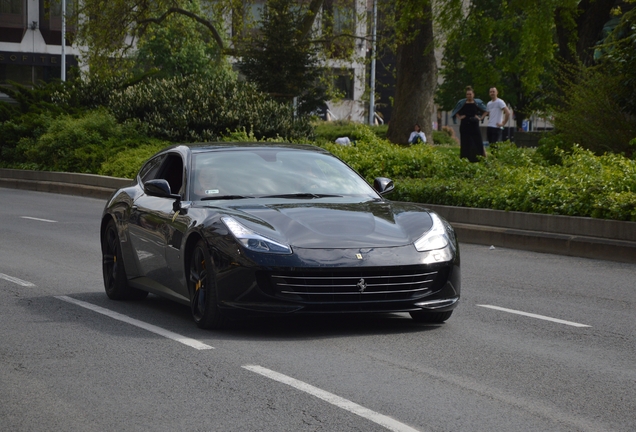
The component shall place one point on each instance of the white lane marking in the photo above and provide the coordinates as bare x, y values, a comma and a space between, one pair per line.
16, 280
333, 399
556, 320
151, 328
38, 219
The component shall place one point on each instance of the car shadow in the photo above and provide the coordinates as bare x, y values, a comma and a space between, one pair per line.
177, 318
325, 326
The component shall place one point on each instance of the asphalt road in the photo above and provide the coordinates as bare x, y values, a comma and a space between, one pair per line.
539, 342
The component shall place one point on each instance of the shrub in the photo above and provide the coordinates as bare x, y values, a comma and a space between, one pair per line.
552, 147
329, 131
126, 163
28, 127
445, 137
80, 144
28, 118
511, 178
592, 115
190, 110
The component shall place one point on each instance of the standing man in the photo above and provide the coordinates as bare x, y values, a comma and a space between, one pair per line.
496, 110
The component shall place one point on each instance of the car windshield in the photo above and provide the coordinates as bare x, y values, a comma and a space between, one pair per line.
280, 173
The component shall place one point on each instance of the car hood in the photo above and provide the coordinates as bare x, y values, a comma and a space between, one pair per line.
338, 225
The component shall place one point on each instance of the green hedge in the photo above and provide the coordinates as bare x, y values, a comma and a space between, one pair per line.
81, 144
551, 180
329, 131
510, 178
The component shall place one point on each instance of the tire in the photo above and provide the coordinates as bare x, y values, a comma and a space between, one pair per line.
430, 317
203, 296
115, 280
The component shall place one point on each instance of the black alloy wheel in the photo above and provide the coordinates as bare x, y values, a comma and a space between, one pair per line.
430, 317
203, 298
115, 280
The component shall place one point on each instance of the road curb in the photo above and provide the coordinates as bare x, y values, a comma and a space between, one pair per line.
89, 185
565, 235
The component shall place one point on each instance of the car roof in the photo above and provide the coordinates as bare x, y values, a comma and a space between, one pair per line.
215, 146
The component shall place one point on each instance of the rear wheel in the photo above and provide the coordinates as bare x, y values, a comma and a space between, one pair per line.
115, 280
203, 298
430, 317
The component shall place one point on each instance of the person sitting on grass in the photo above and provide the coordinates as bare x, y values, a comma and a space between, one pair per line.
417, 136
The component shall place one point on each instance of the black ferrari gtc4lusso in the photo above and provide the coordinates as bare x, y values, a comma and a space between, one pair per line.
264, 228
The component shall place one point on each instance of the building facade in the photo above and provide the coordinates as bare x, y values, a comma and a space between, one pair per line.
31, 38
30, 41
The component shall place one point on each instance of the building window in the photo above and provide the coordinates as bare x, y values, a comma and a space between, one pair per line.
338, 27
13, 18
51, 21
247, 19
343, 82
27, 75
11, 7
55, 8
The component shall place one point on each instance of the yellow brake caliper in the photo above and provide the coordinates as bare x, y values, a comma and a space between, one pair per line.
198, 285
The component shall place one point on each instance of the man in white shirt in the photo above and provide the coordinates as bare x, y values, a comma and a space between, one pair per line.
498, 115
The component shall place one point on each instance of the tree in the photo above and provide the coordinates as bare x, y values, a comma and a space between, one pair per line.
124, 26
416, 70
178, 47
511, 45
281, 60
578, 27
617, 57
598, 110
504, 45
123, 22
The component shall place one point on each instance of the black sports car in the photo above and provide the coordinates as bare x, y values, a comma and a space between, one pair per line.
274, 229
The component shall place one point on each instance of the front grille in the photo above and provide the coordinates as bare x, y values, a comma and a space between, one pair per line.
364, 285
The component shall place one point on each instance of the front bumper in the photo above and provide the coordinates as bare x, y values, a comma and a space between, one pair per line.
339, 281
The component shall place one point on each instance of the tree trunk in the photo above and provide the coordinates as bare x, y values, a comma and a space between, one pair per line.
415, 87
591, 16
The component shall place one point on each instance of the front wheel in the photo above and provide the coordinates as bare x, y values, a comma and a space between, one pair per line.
115, 280
430, 317
203, 299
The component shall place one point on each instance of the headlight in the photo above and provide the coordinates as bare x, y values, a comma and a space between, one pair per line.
435, 238
253, 241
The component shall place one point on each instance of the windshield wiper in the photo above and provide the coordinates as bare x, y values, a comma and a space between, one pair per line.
225, 197
301, 195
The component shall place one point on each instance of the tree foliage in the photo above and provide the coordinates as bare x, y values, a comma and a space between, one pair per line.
523, 47
281, 60
617, 56
592, 115
598, 108
178, 47
158, 26
500, 44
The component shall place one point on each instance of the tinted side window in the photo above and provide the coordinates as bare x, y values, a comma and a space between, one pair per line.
172, 171
149, 170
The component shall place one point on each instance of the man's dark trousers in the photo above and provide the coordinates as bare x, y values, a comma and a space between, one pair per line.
493, 134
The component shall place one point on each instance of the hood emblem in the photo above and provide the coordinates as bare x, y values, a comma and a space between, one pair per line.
361, 285
359, 256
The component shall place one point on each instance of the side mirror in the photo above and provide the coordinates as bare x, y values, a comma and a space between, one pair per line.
159, 188
383, 185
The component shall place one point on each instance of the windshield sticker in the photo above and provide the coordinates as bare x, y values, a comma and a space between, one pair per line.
211, 191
